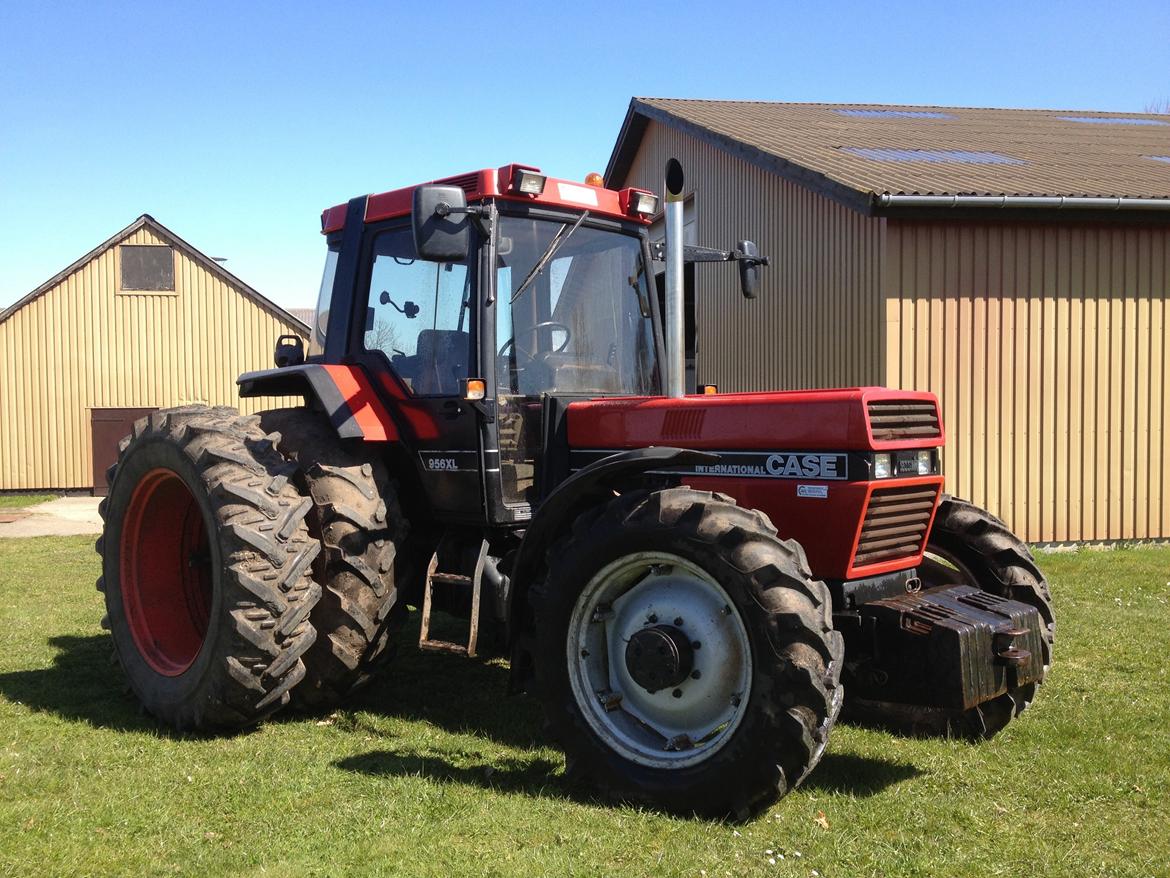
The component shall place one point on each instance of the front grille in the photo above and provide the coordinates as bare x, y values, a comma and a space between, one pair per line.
903, 419
895, 524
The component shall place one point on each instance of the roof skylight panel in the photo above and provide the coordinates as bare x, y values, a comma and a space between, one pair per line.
895, 114
1107, 120
933, 156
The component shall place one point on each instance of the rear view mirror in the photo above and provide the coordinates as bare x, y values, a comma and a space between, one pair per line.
442, 229
749, 268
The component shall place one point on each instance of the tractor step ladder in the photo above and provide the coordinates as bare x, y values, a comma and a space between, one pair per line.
448, 579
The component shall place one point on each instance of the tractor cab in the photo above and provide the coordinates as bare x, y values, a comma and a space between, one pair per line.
477, 301
486, 303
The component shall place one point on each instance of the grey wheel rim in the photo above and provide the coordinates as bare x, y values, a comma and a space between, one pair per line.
679, 725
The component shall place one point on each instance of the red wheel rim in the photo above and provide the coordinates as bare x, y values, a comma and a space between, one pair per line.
166, 572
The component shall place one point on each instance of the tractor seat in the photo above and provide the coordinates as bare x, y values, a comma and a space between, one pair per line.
441, 357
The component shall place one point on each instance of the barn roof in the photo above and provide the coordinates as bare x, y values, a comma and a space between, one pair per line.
857, 153
178, 243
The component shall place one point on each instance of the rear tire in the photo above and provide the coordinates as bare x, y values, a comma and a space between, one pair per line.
970, 546
205, 568
359, 521
702, 545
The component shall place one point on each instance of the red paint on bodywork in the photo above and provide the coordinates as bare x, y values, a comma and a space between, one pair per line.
492, 183
796, 420
819, 420
363, 402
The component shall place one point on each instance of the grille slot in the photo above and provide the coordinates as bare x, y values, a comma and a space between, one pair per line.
683, 423
903, 419
895, 524
469, 183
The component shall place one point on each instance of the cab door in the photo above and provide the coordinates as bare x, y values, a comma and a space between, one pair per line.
418, 334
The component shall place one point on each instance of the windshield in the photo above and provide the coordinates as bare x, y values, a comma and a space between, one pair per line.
573, 310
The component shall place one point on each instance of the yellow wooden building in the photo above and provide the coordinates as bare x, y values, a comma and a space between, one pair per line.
143, 321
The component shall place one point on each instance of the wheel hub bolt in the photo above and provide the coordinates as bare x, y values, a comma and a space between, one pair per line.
677, 693
678, 622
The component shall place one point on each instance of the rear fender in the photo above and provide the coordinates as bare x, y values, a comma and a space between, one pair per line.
344, 393
587, 487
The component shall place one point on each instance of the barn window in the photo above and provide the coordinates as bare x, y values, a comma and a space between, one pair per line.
147, 268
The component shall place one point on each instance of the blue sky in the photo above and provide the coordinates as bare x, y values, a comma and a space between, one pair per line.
234, 124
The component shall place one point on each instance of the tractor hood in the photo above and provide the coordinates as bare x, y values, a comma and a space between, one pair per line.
848, 419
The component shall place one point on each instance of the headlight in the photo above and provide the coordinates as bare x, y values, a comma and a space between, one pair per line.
924, 462
881, 466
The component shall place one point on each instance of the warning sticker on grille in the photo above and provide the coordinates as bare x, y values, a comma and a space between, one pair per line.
821, 492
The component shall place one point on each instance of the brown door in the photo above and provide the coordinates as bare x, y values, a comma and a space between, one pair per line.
109, 427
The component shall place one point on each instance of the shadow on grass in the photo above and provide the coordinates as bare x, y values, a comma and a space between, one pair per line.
458, 695
854, 775
845, 773
82, 684
532, 776
455, 694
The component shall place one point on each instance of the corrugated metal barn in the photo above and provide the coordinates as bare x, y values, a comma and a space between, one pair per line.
143, 321
1015, 262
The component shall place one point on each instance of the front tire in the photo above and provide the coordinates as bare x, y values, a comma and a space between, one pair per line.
721, 728
205, 569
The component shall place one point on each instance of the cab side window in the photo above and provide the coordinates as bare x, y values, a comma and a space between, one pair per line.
419, 315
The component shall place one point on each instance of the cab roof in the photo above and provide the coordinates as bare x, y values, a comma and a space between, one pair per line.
501, 183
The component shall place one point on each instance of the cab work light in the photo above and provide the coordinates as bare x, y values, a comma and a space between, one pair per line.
644, 203
638, 202
527, 183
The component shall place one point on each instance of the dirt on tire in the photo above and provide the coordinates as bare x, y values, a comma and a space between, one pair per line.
796, 654
361, 526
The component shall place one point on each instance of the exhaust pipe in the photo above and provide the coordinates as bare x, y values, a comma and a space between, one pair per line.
675, 327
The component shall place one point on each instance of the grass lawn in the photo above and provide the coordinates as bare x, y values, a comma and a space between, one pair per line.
21, 501
434, 772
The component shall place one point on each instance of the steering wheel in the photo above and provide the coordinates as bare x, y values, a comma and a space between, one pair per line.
532, 330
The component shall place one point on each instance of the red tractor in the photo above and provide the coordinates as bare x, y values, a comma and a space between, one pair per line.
494, 426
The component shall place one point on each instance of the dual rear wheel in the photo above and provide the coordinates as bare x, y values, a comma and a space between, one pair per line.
243, 570
206, 563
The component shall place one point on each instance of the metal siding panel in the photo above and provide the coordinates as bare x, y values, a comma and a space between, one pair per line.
1054, 370
1159, 387
1141, 344
814, 322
